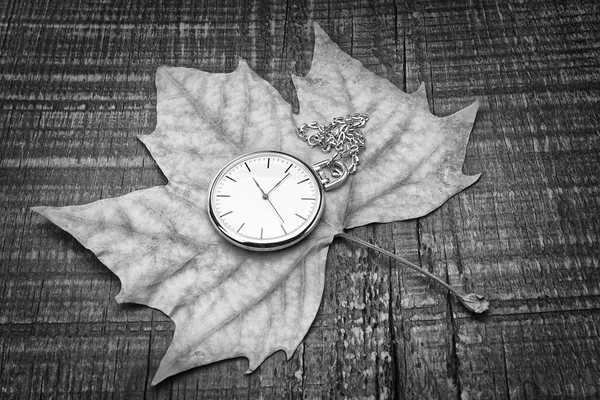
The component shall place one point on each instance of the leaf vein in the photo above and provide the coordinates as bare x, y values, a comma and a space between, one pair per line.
260, 299
129, 229
198, 110
188, 202
396, 184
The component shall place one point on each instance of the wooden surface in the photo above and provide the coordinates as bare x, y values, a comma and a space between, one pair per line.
77, 86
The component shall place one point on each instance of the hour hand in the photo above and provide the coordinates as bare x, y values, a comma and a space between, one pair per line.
264, 195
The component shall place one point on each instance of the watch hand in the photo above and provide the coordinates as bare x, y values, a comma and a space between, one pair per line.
277, 184
264, 195
275, 210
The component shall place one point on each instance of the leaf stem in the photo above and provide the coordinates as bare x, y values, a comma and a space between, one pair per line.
473, 302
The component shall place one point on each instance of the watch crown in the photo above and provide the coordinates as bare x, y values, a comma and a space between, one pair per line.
338, 171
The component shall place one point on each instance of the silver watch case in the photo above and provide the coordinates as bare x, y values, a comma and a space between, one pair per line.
266, 244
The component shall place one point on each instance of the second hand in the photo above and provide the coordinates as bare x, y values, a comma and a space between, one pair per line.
269, 200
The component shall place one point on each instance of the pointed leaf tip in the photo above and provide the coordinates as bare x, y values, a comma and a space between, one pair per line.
468, 180
242, 63
421, 95
421, 91
163, 371
321, 37
317, 28
474, 178
52, 214
156, 380
161, 72
162, 68
289, 353
38, 209
473, 107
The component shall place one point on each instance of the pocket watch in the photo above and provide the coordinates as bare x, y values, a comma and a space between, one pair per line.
269, 200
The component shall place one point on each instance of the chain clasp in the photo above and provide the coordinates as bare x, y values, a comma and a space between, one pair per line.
338, 171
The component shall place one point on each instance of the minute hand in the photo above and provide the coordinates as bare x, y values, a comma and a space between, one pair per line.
277, 184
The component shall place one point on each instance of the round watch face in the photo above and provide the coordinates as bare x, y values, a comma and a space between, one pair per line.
265, 200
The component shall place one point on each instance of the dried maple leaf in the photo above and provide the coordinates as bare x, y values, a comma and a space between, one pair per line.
227, 302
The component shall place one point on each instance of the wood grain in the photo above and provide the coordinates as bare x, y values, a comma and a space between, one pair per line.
76, 87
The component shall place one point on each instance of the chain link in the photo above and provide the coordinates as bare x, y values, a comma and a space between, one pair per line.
343, 135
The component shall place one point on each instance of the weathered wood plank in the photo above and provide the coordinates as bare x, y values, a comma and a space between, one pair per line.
76, 87
507, 236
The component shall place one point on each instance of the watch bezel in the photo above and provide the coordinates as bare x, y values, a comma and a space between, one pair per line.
265, 244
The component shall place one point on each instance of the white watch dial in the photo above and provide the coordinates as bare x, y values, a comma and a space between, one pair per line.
265, 200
